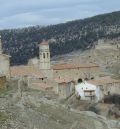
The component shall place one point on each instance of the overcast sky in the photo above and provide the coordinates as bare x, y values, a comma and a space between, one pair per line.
22, 13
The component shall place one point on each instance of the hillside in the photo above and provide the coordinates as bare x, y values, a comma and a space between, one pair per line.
44, 110
22, 44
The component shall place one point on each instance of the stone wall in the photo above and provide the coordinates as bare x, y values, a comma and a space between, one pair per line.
4, 66
2, 82
112, 88
33, 62
48, 73
64, 90
75, 74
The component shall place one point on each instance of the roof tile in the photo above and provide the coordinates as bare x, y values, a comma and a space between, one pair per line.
44, 42
26, 71
73, 66
103, 80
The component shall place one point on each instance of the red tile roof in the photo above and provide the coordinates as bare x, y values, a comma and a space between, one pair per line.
44, 42
26, 71
73, 66
103, 80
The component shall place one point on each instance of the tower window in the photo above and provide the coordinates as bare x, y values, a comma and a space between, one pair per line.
47, 55
43, 55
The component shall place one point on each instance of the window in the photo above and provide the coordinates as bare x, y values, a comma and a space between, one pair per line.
43, 55
47, 55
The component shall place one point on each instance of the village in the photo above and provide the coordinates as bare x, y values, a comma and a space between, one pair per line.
65, 79
54, 84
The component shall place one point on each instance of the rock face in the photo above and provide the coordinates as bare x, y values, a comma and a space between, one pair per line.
42, 110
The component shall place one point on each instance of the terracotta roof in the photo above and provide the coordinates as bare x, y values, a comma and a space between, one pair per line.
39, 86
44, 42
103, 80
63, 80
73, 66
26, 71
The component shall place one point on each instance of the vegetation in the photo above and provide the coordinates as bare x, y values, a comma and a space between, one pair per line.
93, 108
114, 99
3, 118
22, 44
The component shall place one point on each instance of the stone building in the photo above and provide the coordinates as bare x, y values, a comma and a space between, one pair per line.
4, 63
76, 71
107, 85
97, 89
44, 59
87, 91
64, 87
44, 56
28, 74
43, 63
39, 74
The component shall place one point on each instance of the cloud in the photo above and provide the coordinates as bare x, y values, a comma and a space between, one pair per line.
21, 13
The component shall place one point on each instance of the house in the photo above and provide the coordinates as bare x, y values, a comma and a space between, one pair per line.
107, 85
64, 87
87, 91
30, 74
96, 89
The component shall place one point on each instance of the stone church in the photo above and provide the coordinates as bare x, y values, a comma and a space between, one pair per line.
74, 71
61, 78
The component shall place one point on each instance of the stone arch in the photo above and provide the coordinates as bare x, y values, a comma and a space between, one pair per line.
80, 80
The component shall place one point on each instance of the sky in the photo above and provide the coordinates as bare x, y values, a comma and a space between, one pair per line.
23, 13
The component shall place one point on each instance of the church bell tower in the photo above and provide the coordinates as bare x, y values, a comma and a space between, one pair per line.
44, 56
